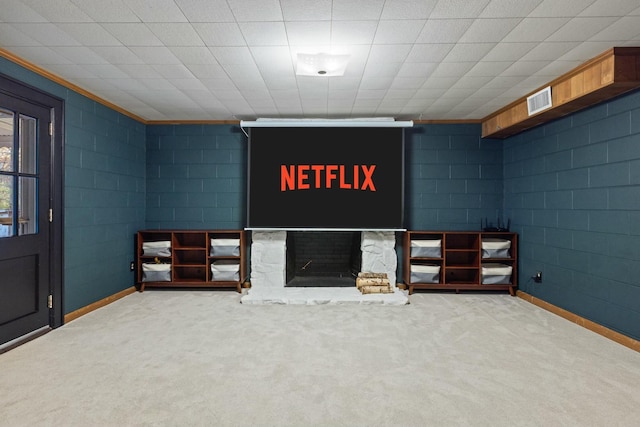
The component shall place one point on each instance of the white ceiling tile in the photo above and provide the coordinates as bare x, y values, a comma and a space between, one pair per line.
105, 71
452, 69
220, 34
11, 36
585, 51
193, 55
47, 34
435, 52
382, 69
264, 33
80, 55
509, 51
524, 68
489, 68
256, 10
206, 10
407, 9
509, 8
625, 28
447, 9
189, 84
389, 53
176, 34
352, 32
306, 10
207, 71
155, 55
578, 29
443, 30
471, 82
555, 8
107, 10
375, 83
90, 34
468, 52
548, 51
408, 82
417, 69
57, 11
308, 33
156, 10
610, 8
232, 55
140, 71
353, 10
398, 31
173, 71
133, 34
219, 85
40, 55
534, 29
117, 54
273, 60
489, 30
17, 11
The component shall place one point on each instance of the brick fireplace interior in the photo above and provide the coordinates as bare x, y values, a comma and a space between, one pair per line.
322, 259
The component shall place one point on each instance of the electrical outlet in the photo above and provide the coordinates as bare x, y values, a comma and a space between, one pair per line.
538, 277
132, 266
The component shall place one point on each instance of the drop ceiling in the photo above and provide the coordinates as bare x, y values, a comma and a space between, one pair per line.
201, 60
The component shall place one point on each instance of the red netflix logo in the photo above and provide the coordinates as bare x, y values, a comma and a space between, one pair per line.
304, 177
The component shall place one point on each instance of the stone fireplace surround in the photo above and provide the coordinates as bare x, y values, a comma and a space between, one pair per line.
268, 272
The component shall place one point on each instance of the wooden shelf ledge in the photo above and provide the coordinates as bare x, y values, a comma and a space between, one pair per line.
604, 77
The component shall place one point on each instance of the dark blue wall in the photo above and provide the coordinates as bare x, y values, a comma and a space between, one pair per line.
104, 192
453, 177
572, 189
196, 177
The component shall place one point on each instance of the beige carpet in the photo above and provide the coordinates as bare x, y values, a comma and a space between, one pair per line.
183, 358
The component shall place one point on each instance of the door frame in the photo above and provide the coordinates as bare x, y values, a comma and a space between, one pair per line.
17, 89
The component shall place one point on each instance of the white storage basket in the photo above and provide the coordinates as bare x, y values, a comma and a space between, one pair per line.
496, 274
225, 247
152, 272
427, 248
161, 248
425, 273
496, 248
225, 270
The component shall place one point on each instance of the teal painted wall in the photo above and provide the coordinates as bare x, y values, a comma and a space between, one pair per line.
104, 192
196, 177
572, 189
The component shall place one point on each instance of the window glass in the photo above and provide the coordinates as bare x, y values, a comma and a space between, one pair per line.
6, 141
6, 205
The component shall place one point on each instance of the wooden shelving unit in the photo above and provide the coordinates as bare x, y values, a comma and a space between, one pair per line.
460, 260
189, 257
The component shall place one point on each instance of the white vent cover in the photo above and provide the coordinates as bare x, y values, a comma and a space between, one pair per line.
539, 101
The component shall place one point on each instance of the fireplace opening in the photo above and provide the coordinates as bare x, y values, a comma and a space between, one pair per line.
323, 258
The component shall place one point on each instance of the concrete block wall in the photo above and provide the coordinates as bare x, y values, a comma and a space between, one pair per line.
453, 177
572, 188
196, 177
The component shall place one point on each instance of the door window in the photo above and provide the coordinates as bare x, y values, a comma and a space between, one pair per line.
18, 174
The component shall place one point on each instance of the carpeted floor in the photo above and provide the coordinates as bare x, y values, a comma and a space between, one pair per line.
185, 358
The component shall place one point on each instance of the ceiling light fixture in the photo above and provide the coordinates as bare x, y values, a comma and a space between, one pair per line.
321, 64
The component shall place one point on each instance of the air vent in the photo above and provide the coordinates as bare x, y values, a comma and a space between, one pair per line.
539, 101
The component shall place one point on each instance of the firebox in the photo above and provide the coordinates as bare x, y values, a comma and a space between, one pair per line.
322, 259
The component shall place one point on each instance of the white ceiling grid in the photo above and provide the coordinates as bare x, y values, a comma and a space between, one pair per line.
235, 59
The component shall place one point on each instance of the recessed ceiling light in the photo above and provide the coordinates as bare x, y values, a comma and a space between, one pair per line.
321, 64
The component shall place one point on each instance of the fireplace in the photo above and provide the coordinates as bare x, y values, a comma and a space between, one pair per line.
272, 265
316, 258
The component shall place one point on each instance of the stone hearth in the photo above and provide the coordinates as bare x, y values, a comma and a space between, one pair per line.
268, 272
